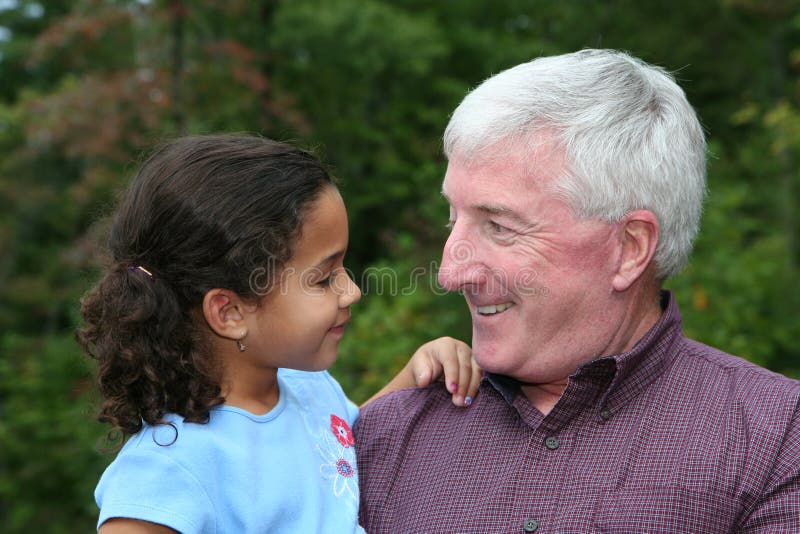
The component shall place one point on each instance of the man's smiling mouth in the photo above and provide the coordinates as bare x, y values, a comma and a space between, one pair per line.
493, 309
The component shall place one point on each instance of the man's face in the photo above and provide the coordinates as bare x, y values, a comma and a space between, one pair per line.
536, 279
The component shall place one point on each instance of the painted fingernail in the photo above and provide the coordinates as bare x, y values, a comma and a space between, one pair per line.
453, 386
468, 401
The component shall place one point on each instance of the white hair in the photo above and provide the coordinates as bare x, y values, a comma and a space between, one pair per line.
630, 137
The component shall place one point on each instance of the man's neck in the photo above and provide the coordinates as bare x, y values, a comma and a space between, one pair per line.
544, 397
637, 320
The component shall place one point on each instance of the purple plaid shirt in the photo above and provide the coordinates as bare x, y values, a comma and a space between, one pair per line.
672, 436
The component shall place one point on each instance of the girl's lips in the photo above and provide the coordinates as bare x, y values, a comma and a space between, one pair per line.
337, 329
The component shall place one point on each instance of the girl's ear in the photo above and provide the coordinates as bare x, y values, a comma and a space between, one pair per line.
223, 311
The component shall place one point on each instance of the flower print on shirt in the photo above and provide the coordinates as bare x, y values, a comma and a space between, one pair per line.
338, 454
342, 431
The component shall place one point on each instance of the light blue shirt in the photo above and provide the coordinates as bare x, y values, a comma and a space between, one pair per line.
290, 470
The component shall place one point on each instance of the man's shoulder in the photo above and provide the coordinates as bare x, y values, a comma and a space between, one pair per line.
724, 362
407, 403
716, 369
401, 414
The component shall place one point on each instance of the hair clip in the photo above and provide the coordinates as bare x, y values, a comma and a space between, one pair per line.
140, 268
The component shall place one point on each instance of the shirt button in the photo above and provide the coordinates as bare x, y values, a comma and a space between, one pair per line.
605, 414
530, 525
551, 443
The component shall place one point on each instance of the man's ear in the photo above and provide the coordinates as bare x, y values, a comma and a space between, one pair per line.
223, 311
639, 238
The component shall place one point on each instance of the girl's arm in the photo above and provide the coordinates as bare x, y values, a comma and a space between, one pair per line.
123, 525
444, 356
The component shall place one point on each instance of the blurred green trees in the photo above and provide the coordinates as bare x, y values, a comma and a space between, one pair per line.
87, 86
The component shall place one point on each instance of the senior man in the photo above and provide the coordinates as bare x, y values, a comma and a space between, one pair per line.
575, 186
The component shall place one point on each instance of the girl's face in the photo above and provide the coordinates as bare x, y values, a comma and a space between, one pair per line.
300, 322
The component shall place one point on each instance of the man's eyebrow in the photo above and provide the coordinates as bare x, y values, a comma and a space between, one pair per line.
503, 211
494, 209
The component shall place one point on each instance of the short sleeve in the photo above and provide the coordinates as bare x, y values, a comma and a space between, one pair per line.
351, 409
150, 486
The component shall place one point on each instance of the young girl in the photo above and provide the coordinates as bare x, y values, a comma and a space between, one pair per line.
213, 328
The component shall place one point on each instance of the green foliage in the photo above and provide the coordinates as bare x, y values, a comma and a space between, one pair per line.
351, 70
402, 307
89, 86
47, 437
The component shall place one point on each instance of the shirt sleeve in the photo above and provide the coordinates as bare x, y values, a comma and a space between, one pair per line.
778, 509
351, 408
153, 487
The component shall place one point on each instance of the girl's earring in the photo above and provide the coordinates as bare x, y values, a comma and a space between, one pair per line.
239, 343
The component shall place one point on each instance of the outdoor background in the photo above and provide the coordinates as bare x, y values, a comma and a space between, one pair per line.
87, 87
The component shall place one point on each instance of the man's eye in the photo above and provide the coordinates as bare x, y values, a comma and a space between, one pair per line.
497, 228
326, 281
450, 224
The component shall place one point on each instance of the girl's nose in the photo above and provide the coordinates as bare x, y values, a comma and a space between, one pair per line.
351, 293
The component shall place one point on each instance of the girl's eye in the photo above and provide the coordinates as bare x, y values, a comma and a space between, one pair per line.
328, 280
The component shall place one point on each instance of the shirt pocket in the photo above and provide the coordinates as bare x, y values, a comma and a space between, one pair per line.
658, 509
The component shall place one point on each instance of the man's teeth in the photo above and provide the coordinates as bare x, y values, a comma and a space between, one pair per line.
491, 309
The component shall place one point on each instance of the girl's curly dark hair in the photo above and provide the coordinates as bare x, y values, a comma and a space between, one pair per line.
202, 212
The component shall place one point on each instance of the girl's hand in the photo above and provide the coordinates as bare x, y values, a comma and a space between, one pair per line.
449, 360
445, 359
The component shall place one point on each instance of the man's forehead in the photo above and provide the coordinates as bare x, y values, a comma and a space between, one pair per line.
492, 198
530, 161
492, 183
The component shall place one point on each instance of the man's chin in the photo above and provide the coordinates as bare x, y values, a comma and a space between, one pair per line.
490, 358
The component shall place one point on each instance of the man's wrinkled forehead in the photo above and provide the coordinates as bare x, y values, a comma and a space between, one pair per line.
537, 159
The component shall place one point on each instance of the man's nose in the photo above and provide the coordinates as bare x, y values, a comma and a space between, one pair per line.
459, 267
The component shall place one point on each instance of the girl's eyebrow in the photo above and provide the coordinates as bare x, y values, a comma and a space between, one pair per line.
335, 256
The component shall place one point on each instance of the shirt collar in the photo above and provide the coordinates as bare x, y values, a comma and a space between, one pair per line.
632, 370
638, 367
